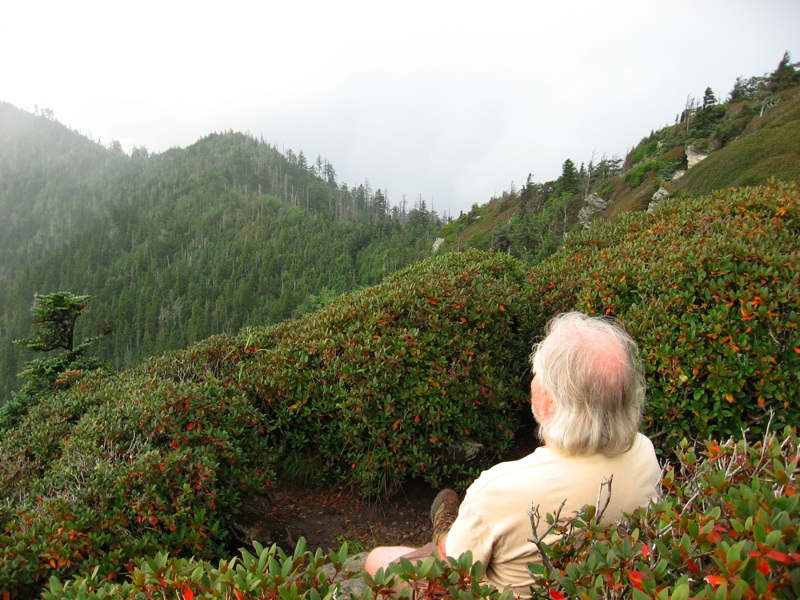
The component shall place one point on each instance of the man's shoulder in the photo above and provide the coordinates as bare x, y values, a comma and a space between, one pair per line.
512, 472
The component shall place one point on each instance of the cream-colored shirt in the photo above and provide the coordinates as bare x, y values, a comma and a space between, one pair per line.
493, 520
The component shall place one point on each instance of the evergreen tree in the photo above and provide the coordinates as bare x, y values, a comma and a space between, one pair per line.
709, 99
747, 89
329, 174
569, 181
784, 77
56, 315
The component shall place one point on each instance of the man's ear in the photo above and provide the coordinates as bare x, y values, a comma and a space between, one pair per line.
541, 403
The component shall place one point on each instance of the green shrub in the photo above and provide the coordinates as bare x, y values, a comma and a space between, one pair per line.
706, 120
675, 156
271, 573
400, 380
647, 148
708, 288
635, 177
661, 169
730, 130
726, 527
119, 468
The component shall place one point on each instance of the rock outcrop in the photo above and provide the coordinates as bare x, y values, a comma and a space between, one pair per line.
660, 194
351, 584
694, 155
594, 205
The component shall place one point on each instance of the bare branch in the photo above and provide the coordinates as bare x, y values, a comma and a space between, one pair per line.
537, 539
606, 482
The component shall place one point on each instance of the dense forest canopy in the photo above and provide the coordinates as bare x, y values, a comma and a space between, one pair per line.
178, 246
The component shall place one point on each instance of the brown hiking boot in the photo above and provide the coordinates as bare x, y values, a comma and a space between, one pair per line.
444, 511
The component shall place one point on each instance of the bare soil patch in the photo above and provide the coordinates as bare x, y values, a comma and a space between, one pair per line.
328, 517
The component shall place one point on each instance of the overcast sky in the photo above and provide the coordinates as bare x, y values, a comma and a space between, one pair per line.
448, 100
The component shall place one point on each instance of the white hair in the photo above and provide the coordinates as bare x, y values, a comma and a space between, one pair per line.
590, 367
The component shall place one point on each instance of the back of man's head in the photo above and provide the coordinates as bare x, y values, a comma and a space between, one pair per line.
590, 368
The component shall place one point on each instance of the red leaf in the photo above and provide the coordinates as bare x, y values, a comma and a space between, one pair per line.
780, 557
762, 566
715, 579
636, 578
645, 551
556, 595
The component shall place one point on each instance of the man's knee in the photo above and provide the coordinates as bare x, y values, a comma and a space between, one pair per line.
380, 557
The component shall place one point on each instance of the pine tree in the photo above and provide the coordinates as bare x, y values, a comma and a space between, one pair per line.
785, 76
747, 89
569, 181
709, 99
56, 315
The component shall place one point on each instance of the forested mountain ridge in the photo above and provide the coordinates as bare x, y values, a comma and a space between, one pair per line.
178, 246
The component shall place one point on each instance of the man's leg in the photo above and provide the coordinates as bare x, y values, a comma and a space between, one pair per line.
382, 556
443, 512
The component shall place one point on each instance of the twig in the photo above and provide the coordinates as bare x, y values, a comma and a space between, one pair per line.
537, 539
606, 482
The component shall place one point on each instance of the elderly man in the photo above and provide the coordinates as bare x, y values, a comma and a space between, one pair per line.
586, 395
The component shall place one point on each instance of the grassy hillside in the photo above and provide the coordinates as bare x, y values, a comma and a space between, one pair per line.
768, 147
746, 143
749, 138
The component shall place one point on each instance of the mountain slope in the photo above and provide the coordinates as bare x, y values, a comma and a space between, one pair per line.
750, 138
228, 232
